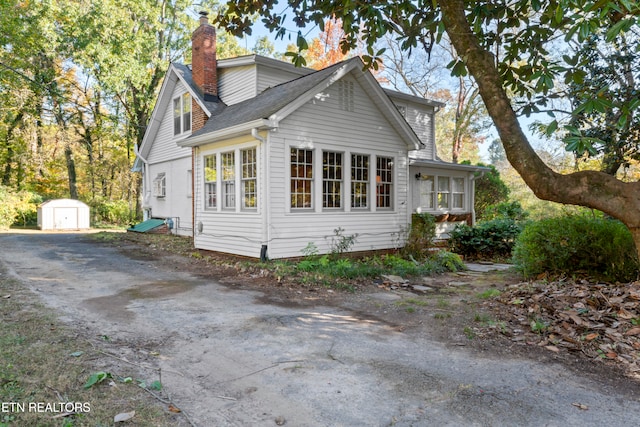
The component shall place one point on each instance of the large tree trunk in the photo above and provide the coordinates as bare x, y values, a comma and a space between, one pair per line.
592, 189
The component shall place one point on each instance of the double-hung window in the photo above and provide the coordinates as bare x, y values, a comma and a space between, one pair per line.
426, 186
443, 192
228, 166
182, 114
457, 193
249, 179
359, 181
211, 181
331, 179
160, 185
301, 178
384, 181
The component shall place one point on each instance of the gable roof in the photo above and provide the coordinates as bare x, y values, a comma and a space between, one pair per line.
276, 103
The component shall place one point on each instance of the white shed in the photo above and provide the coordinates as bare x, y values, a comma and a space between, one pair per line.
63, 214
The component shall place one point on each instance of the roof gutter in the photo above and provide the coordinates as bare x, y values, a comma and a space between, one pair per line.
230, 132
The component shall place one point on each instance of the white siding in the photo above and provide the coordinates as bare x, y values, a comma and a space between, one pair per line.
165, 147
177, 201
238, 232
421, 120
322, 125
237, 84
270, 77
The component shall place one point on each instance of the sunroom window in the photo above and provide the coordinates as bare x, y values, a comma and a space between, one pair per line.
384, 181
249, 179
301, 178
228, 163
210, 181
359, 181
331, 179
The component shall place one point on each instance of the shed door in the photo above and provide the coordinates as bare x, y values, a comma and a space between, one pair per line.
65, 218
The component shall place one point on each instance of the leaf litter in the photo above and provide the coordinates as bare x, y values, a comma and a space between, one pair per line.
600, 320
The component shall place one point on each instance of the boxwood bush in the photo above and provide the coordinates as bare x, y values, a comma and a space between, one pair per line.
598, 247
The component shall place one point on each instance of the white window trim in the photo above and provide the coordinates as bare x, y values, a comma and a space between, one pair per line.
239, 200
434, 194
160, 186
317, 182
314, 185
341, 181
180, 100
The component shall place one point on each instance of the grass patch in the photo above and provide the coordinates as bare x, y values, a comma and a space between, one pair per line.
43, 362
489, 293
410, 304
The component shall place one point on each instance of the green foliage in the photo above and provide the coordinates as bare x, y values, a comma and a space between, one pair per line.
577, 244
506, 210
330, 270
420, 240
116, 212
341, 243
487, 240
490, 190
17, 207
96, 378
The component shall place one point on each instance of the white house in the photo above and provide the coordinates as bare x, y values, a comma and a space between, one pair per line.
255, 157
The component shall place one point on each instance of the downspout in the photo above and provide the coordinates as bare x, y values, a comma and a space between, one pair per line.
472, 179
145, 178
194, 153
265, 197
433, 132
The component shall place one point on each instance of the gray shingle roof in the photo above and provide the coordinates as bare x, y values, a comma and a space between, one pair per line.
185, 71
270, 101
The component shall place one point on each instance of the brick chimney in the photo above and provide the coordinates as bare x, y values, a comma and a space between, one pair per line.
203, 58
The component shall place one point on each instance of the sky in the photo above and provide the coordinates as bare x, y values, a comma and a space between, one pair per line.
259, 30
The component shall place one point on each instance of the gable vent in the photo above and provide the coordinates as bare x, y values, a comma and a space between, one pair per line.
346, 95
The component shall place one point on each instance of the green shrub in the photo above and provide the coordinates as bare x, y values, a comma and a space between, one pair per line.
488, 240
117, 212
421, 235
18, 208
577, 244
509, 210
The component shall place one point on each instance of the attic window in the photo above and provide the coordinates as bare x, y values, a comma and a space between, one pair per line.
346, 95
160, 185
182, 114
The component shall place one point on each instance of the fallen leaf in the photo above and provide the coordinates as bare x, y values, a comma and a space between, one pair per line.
580, 406
552, 348
77, 353
6, 296
591, 337
124, 416
633, 331
611, 355
174, 409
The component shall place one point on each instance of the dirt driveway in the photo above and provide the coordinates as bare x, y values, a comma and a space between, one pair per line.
229, 356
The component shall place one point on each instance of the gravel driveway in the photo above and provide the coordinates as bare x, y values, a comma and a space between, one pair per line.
231, 359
